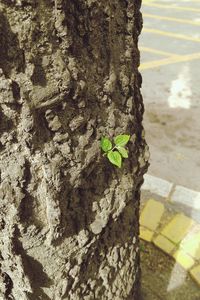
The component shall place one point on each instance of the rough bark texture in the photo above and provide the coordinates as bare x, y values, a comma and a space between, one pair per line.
68, 218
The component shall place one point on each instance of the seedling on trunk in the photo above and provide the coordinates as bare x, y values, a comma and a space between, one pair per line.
115, 153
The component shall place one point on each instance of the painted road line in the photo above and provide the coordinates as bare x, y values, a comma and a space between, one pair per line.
168, 61
157, 185
146, 234
145, 3
183, 259
191, 245
187, 197
152, 214
171, 34
178, 228
151, 50
164, 244
184, 21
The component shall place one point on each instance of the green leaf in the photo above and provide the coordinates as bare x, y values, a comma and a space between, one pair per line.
115, 158
123, 152
121, 140
106, 144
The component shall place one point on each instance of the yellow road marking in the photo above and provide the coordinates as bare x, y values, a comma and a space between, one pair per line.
151, 50
171, 34
171, 6
170, 60
184, 21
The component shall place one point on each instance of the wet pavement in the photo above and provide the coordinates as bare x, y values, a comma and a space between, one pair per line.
170, 67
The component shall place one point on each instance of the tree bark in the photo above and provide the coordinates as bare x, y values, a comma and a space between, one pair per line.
68, 218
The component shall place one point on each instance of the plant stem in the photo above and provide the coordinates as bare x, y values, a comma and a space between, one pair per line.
115, 147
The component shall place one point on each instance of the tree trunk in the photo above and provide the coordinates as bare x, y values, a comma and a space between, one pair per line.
68, 217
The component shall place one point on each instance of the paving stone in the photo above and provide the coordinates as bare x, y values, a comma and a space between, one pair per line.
179, 226
164, 244
151, 214
184, 259
195, 273
191, 245
146, 234
157, 185
187, 197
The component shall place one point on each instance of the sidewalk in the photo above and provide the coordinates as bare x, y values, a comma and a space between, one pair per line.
170, 219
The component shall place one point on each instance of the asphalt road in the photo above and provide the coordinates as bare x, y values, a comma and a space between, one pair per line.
170, 67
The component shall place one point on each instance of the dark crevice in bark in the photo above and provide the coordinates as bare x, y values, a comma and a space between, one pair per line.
8, 286
15, 90
11, 54
6, 124
26, 207
41, 134
38, 77
33, 269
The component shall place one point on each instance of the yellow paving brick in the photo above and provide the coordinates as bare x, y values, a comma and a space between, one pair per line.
183, 259
195, 273
164, 244
192, 245
177, 228
151, 214
146, 234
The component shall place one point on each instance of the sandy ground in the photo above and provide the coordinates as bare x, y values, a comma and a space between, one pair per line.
171, 93
161, 280
174, 139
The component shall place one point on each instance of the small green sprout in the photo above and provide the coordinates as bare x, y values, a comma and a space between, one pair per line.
118, 151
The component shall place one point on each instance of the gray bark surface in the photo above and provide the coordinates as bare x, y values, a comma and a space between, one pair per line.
68, 218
